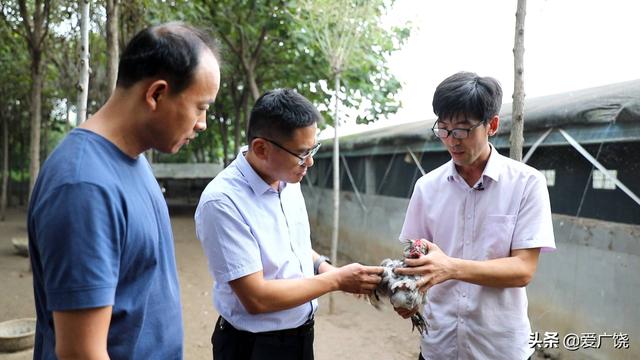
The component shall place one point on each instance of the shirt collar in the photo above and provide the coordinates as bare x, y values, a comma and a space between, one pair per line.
257, 184
491, 170
494, 165
451, 171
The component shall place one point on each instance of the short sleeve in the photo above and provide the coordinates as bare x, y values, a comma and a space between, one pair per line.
78, 232
414, 226
534, 225
231, 249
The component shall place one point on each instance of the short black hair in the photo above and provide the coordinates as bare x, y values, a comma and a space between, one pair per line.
277, 113
171, 50
469, 95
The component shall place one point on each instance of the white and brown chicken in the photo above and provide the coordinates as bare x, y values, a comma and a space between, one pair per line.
402, 290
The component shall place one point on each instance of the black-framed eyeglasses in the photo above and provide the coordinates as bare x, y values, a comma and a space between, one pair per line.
302, 158
457, 133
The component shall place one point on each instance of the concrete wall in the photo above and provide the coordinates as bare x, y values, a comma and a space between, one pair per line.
366, 235
590, 284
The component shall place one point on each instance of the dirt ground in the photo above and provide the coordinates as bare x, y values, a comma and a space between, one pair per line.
356, 331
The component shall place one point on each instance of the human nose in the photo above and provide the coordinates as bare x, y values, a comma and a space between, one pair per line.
308, 161
201, 123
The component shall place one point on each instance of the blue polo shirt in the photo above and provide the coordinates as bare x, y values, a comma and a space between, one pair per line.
99, 235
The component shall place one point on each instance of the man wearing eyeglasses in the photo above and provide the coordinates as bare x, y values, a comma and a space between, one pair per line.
253, 225
487, 218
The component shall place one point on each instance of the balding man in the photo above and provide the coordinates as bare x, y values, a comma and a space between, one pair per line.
104, 271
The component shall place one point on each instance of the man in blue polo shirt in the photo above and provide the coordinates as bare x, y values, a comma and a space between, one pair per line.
101, 244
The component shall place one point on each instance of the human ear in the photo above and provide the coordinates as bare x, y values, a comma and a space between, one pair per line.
494, 123
260, 148
156, 91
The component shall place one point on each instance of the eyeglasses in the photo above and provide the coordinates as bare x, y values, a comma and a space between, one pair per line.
302, 158
457, 133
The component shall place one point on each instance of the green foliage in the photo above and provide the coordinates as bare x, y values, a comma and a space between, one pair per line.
355, 46
264, 36
14, 102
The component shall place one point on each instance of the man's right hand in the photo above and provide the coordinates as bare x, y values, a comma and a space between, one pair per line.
358, 279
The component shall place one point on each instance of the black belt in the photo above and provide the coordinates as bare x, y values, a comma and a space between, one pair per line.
302, 330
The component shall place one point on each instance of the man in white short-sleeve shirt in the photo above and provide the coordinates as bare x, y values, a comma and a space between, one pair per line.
253, 226
487, 217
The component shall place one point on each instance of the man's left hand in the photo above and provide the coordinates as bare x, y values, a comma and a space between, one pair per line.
435, 267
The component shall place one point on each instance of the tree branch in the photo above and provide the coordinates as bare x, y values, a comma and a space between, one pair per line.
226, 40
252, 8
47, 18
26, 22
224, 36
256, 51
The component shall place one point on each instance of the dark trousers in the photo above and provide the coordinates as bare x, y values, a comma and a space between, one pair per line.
421, 358
230, 343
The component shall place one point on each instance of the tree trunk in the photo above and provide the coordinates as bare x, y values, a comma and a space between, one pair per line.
36, 25
113, 49
83, 83
199, 154
517, 114
336, 187
36, 117
225, 140
67, 125
241, 121
253, 86
5, 167
23, 165
44, 142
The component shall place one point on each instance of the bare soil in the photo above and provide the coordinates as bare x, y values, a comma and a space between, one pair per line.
356, 331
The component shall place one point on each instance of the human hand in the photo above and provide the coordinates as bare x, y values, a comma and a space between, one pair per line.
358, 279
434, 268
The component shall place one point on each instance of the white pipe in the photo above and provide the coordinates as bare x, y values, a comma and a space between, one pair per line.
415, 160
535, 145
599, 166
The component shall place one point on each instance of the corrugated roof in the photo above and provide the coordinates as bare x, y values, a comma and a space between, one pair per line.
610, 103
617, 103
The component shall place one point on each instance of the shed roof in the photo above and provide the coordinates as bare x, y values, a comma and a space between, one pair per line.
593, 108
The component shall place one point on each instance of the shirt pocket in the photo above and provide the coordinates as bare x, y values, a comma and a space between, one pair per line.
495, 236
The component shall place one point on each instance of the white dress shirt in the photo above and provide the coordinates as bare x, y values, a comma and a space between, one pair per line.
246, 226
507, 209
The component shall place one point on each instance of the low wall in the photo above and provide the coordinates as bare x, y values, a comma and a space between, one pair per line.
589, 285
367, 235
